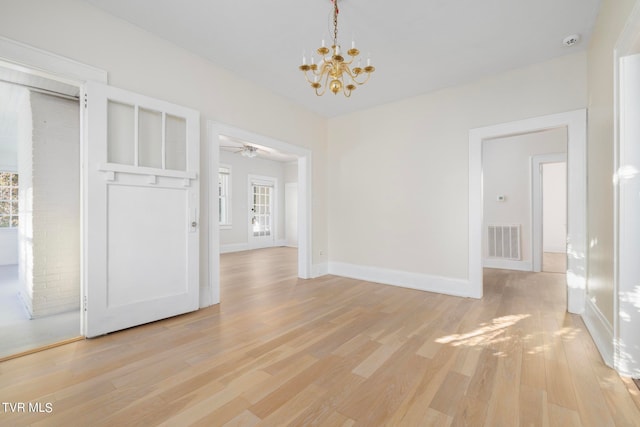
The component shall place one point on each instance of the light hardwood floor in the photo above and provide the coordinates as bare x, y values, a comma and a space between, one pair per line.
334, 351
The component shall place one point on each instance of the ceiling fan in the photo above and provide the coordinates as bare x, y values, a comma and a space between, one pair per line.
246, 150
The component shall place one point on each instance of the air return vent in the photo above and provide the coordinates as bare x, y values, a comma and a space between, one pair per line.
504, 241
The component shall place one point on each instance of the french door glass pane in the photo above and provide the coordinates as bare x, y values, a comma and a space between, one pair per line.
261, 211
120, 133
176, 143
149, 138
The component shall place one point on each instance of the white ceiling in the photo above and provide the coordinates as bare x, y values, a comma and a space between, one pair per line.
417, 46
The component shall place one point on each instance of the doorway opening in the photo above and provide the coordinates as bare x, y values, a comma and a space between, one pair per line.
39, 213
550, 208
262, 198
575, 123
513, 206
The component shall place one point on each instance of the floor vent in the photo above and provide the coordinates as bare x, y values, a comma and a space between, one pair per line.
504, 241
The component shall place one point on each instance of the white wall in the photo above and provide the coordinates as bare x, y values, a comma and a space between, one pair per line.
398, 174
609, 24
8, 246
138, 61
50, 225
554, 207
237, 237
506, 171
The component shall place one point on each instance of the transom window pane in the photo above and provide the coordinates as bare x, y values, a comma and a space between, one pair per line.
176, 143
120, 133
160, 141
150, 138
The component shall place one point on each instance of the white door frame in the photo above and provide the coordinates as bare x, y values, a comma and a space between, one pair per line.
626, 314
576, 124
536, 205
214, 131
30, 60
275, 214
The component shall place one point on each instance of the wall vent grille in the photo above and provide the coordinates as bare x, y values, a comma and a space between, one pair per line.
504, 241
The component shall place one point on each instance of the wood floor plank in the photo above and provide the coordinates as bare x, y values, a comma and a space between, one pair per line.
334, 351
244, 419
450, 393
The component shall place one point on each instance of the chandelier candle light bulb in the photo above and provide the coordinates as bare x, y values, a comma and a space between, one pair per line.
333, 70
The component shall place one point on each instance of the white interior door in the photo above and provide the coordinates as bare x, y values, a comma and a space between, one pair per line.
261, 212
140, 209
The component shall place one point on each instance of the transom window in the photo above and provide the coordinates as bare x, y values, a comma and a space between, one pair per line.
8, 200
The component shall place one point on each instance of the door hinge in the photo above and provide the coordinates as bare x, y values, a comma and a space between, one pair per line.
85, 100
85, 303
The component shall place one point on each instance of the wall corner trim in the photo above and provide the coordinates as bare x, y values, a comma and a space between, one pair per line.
318, 270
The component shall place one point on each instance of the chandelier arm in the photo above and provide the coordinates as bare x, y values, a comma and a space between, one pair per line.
347, 92
324, 86
306, 76
354, 77
349, 62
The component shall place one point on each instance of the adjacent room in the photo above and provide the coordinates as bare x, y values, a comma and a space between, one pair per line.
319, 212
40, 222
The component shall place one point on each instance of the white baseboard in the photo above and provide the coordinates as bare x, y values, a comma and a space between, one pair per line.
600, 330
239, 247
555, 250
405, 279
507, 264
234, 247
318, 270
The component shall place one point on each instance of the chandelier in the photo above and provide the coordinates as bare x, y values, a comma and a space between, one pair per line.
333, 71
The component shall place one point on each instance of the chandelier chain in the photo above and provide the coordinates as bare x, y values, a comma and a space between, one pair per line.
335, 22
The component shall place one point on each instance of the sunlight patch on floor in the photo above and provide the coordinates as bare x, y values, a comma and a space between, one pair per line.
485, 334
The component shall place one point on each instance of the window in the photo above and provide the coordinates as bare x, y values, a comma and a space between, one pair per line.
224, 196
8, 200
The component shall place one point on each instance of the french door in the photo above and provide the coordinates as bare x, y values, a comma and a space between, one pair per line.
261, 211
140, 209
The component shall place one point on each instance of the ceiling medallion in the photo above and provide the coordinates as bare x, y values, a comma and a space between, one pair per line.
333, 71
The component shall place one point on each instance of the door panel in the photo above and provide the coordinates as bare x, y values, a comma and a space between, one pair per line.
141, 261
141, 209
